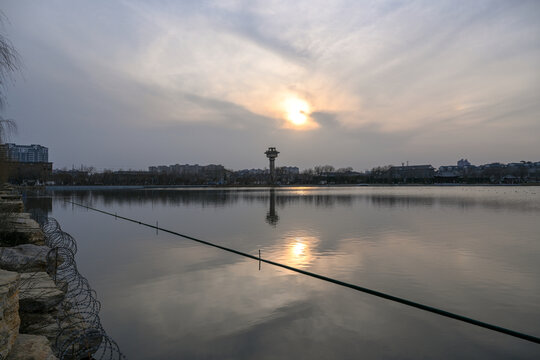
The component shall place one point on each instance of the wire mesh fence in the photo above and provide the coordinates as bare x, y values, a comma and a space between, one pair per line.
80, 334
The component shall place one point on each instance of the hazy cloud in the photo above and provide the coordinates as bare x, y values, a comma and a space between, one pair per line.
131, 84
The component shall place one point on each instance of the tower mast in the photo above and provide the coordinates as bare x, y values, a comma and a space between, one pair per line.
272, 154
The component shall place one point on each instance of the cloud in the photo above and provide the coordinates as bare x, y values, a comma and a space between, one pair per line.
441, 73
326, 119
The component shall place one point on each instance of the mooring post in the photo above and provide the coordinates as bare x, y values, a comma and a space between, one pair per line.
157, 227
259, 259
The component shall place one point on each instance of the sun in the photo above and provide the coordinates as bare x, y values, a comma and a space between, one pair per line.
297, 111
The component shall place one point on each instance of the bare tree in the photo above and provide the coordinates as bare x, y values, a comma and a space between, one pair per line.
321, 169
9, 63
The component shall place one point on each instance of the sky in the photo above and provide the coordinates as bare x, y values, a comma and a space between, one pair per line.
131, 84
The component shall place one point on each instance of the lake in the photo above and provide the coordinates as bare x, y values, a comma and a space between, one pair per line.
471, 250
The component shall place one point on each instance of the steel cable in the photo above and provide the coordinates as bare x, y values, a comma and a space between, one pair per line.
380, 294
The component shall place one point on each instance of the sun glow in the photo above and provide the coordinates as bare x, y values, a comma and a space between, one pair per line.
297, 111
301, 250
297, 249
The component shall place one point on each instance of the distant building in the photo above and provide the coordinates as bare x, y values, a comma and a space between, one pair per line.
213, 169
455, 172
449, 171
289, 170
26, 163
463, 163
247, 172
210, 172
412, 172
28, 172
185, 169
495, 165
25, 153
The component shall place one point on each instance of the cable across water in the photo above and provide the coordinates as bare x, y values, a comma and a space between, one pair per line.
417, 305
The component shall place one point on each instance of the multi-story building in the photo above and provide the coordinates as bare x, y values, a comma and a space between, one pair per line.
163, 169
187, 169
25, 153
463, 163
26, 163
412, 172
289, 170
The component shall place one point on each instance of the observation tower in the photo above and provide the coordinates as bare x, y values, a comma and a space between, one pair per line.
272, 154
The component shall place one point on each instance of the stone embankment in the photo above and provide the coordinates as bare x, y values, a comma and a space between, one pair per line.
29, 298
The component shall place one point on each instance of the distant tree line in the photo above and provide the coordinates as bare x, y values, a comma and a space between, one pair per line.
496, 173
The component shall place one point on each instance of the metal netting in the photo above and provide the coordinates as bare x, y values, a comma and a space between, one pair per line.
81, 335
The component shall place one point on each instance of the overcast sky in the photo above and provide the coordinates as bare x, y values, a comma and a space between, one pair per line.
129, 84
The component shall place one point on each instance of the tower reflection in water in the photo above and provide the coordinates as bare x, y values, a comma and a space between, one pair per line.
272, 217
299, 247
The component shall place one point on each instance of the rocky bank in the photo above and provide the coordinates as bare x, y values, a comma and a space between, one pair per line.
29, 298
47, 308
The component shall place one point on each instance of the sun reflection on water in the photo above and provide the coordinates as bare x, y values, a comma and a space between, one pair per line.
300, 250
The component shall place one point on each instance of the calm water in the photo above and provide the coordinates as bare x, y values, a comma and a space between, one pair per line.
470, 250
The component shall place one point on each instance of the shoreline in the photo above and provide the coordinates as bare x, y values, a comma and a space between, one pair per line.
212, 187
48, 307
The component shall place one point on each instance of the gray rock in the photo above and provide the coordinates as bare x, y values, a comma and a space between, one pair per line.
24, 258
10, 196
31, 347
45, 324
16, 229
9, 311
11, 206
38, 293
74, 333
